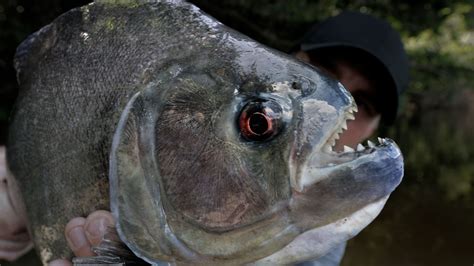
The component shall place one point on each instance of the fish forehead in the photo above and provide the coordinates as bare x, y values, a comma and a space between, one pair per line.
131, 46
191, 34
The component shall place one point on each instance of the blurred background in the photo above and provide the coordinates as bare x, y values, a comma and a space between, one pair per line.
429, 219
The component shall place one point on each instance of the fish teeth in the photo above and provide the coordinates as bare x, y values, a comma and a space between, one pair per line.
327, 148
332, 140
381, 141
354, 108
344, 125
348, 149
350, 116
370, 144
360, 147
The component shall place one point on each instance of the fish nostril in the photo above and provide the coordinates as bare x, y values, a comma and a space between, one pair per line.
296, 86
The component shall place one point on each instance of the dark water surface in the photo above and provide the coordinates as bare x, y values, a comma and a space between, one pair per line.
417, 227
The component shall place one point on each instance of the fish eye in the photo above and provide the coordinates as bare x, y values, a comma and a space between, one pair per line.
260, 120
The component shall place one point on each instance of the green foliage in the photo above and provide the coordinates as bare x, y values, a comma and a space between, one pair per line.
434, 131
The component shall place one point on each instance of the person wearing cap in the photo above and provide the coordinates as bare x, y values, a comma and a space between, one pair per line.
367, 56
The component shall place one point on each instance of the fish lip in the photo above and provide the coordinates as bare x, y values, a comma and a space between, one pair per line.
334, 191
385, 148
322, 164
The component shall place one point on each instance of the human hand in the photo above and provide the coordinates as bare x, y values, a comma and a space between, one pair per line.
14, 238
82, 234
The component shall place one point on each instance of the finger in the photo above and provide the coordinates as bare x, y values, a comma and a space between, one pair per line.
96, 226
60, 263
77, 239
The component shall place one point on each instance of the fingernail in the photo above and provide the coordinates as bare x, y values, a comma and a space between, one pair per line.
97, 228
77, 237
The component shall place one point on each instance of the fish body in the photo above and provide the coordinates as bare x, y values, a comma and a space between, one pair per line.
207, 146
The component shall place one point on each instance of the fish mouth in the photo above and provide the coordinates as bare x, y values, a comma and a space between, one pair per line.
325, 160
339, 128
338, 193
328, 162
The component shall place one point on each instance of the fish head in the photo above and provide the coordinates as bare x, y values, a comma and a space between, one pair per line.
227, 157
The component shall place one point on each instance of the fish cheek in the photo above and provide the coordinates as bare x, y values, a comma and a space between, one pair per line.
204, 176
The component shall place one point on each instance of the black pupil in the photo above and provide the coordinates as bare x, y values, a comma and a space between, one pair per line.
258, 123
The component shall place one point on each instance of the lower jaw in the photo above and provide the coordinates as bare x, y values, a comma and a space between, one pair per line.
317, 242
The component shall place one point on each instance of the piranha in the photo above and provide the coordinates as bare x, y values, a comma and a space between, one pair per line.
207, 147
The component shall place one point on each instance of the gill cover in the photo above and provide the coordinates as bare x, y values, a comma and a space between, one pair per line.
147, 223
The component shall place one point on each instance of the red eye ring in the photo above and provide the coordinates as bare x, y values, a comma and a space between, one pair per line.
258, 124
259, 121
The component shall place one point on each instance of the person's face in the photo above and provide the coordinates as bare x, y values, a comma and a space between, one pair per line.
367, 118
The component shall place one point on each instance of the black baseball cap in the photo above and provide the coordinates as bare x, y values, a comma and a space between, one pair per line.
372, 36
